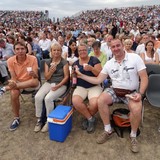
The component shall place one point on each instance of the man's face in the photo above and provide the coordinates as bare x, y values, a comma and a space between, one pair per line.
2, 45
20, 50
117, 47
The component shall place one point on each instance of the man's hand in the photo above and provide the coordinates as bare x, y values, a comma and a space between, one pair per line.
135, 96
32, 74
12, 84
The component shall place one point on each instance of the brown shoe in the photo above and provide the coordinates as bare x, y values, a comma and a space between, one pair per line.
104, 137
134, 145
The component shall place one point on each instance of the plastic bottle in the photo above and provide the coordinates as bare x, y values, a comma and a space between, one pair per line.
74, 78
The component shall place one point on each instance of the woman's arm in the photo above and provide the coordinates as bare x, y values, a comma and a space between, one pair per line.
48, 71
95, 70
156, 58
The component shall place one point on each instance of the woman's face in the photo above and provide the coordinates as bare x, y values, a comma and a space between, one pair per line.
149, 46
96, 49
128, 45
82, 51
56, 51
73, 46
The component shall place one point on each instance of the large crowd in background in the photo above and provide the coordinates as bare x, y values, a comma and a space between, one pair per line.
137, 28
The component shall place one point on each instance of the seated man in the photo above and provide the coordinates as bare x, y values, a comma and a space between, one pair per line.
124, 69
6, 51
89, 66
24, 75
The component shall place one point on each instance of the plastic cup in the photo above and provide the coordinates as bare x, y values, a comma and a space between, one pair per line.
85, 64
29, 69
53, 84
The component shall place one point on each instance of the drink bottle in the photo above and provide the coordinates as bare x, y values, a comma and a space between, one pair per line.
74, 78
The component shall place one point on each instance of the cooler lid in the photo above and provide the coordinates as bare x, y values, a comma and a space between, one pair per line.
60, 112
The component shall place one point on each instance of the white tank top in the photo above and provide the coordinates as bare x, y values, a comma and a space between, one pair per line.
148, 59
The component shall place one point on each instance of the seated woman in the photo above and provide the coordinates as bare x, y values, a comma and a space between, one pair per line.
89, 66
150, 56
128, 45
57, 76
97, 53
72, 52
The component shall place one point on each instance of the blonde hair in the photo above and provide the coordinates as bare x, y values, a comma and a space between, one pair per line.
56, 44
128, 41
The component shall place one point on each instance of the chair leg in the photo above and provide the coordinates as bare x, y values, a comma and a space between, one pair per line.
22, 98
142, 119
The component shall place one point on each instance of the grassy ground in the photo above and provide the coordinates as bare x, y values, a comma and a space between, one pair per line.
24, 144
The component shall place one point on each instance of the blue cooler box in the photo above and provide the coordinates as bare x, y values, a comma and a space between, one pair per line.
60, 123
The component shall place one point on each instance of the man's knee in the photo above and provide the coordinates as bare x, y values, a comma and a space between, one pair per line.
15, 94
104, 99
136, 108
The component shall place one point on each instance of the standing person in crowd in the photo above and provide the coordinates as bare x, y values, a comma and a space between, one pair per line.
97, 53
57, 76
6, 51
89, 66
125, 70
150, 56
21, 79
72, 52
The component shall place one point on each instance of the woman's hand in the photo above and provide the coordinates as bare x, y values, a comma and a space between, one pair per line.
54, 88
52, 68
87, 67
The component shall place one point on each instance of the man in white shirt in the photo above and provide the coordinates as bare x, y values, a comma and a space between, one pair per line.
105, 46
45, 45
125, 70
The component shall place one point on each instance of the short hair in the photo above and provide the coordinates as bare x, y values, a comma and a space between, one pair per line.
2, 40
128, 41
56, 44
82, 44
96, 44
20, 43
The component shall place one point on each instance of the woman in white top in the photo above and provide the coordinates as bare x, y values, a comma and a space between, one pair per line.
72, 52
150, 56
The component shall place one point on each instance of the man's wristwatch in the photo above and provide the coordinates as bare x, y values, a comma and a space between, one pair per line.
142, 95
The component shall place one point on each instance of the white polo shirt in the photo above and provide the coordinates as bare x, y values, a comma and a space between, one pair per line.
125, 74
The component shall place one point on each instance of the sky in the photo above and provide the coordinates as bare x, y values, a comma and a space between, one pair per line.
65, 8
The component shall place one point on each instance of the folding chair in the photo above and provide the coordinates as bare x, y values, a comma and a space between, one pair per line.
33, 92
151, 70
153, 90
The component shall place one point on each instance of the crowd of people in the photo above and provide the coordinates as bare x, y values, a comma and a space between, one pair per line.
98, 44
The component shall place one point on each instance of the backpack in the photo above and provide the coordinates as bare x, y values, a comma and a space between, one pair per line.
121, 117
120, 121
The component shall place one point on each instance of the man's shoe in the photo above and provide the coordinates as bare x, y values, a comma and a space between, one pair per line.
45, 128
84, 124
104, 137
91, 125
38, 126
134, 145
14, 124
2, 91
